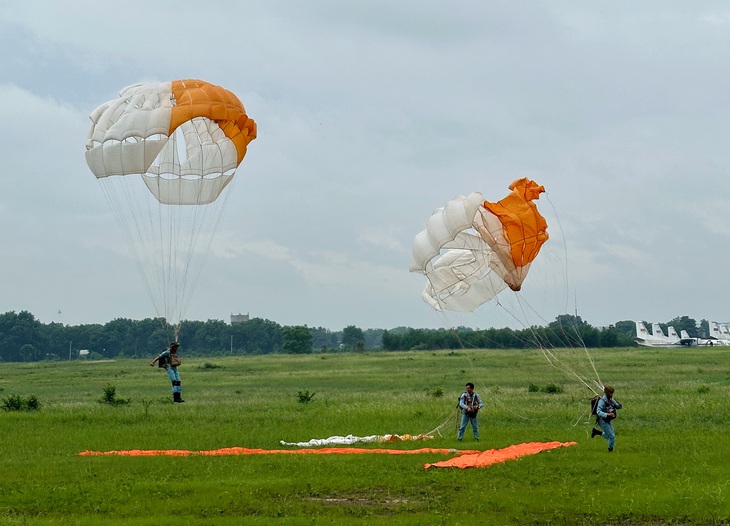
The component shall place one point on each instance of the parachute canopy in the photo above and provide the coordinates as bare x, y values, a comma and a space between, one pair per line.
472, 249
185, 137
163, 155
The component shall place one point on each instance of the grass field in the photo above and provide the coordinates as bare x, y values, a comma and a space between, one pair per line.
670, 465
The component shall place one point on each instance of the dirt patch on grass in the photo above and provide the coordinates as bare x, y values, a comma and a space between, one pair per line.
360, 501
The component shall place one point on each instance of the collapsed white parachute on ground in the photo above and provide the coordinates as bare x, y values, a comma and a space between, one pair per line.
352, 439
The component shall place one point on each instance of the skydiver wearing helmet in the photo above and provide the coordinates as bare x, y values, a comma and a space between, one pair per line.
605, 414
169, 360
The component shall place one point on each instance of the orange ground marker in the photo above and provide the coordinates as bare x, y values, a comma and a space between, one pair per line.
246, 451
465, 458
494, 456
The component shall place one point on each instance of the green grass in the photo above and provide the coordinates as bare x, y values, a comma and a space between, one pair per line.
670, 463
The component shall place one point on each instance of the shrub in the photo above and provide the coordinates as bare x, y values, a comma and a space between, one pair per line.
18, 403
303, 397
32, 403
437, 393
110, 397
552, 389
532, 388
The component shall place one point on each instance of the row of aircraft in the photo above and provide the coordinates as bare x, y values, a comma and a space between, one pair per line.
719, 336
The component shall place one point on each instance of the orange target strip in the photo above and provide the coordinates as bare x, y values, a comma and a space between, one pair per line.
466, 458
494, 456
246, 451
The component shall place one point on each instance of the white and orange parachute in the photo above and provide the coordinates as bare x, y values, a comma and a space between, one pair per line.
472, 249
186, 138
164, 153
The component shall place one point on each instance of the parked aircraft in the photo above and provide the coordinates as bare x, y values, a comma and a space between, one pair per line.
724, 331
656, 338
717, 335
716, 338
658, 334
672, 334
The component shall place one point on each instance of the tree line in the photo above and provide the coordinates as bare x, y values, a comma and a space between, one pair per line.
23, 338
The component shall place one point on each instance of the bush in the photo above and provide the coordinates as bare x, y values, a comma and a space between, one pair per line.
552, 389
110, 397
18, 403
437, 393
303, 397
32, 403
549, 388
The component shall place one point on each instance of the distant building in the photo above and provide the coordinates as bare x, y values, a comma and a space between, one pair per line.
239, 318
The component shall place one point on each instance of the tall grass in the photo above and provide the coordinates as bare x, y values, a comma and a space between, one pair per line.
669, 466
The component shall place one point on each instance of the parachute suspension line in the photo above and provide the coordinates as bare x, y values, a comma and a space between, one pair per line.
448, 422
599, 383
186, 228
210, 215
543, 344
494, 398
160, 186
120, 197
565, 251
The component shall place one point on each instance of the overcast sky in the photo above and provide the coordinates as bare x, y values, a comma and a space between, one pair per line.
371, 115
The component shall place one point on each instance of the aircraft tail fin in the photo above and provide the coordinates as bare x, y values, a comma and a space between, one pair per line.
657, 332
672, 333
725, 331
715, 330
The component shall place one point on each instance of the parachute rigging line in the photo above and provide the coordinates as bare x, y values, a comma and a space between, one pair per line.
164, 154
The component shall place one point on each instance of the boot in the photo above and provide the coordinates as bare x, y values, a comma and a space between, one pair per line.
177, 398
595, 432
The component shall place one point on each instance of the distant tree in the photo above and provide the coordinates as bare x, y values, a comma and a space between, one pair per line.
351, 336
627, 327
257, 336
704, 329
297, 340
324, 338
567, 320
373, 338
391, 342
17, 330
609, 337
684, 323
29, 353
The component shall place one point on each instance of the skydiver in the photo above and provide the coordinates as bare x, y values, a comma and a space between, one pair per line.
606, 413
470, 403
169, 360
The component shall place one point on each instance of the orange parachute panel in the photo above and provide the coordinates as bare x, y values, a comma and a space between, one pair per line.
495, 456
197, 98
523, 226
